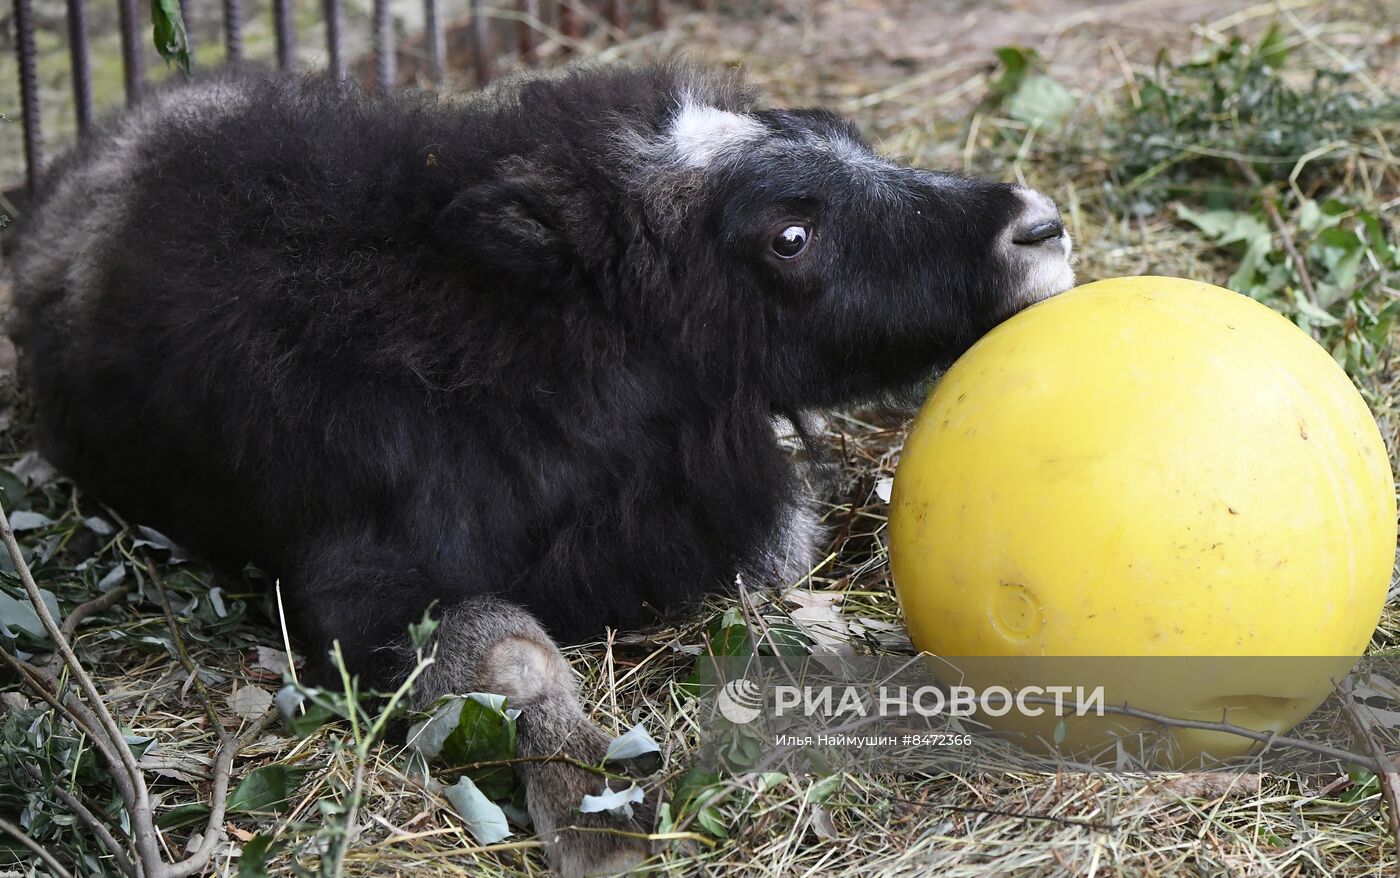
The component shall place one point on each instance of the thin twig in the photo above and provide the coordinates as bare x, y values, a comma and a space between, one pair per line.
175, 637
47, 687
1388, 777
1266, 194
39, 850
526, 760
98, 723
98, 828
92, 607
1267, 738
213, 828
143, 827
997, 812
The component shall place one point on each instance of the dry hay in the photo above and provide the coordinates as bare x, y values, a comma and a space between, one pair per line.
916, 79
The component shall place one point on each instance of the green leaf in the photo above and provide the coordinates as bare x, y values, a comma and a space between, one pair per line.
266, 790
1227, 226
168, 33
783, 638
1016, 62
252, 862
302, 709
1255, 258
1314, 314
18, 614
1387, 253
1364, 785
1340, 252
484, 819
479, 728
697, 786
730, 635
1272, 49
1310, 216
819, 791
709, 818
421, 632
1041, 100
183, 815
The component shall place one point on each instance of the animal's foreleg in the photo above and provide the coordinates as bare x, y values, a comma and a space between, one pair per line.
489, 645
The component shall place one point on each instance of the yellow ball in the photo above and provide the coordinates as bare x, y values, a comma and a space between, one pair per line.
1148, 466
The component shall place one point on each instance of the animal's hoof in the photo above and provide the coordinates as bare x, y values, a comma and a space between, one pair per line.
587, 844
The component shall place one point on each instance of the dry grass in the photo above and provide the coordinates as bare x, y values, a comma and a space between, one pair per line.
917, 82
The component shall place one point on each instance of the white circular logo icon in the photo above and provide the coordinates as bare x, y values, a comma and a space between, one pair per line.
740, 701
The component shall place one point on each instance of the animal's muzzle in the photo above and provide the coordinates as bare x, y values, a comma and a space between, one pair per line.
1037, 247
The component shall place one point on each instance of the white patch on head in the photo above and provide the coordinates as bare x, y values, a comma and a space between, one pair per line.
700, 134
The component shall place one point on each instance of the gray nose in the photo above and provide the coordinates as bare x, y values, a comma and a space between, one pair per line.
1038, 232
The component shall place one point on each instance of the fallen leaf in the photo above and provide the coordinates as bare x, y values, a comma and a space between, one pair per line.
272, 660
884, 488
826, 626
33, 470
484, 819
23, 519
823, 825
616, 802
250, 702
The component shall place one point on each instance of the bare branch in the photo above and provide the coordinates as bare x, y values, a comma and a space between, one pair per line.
1388, 777
90, 820
98, 723
179, 641
1281, 227
92, 607
39, 850
213, 828
98, 706
50, 690
1268, 738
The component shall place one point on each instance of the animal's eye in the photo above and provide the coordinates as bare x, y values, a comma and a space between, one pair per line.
791, 241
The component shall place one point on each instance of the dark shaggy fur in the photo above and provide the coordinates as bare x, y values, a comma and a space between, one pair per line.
528, 346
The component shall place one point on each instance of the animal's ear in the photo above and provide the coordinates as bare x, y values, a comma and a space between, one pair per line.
511, 226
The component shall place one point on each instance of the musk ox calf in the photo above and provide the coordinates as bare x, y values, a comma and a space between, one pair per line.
518, 357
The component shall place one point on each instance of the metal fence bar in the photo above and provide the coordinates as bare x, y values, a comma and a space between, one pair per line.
481, 42
386, 68
29, 94
437, 42
286, 33
567, 15
133, 66
526, 32
78, 60
233, 30
332, 11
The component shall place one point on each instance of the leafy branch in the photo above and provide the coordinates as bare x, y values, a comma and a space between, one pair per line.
90, 715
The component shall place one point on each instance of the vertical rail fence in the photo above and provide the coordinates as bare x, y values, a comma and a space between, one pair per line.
564, 21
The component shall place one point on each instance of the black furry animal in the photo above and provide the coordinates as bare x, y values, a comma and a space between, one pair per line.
520, 355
